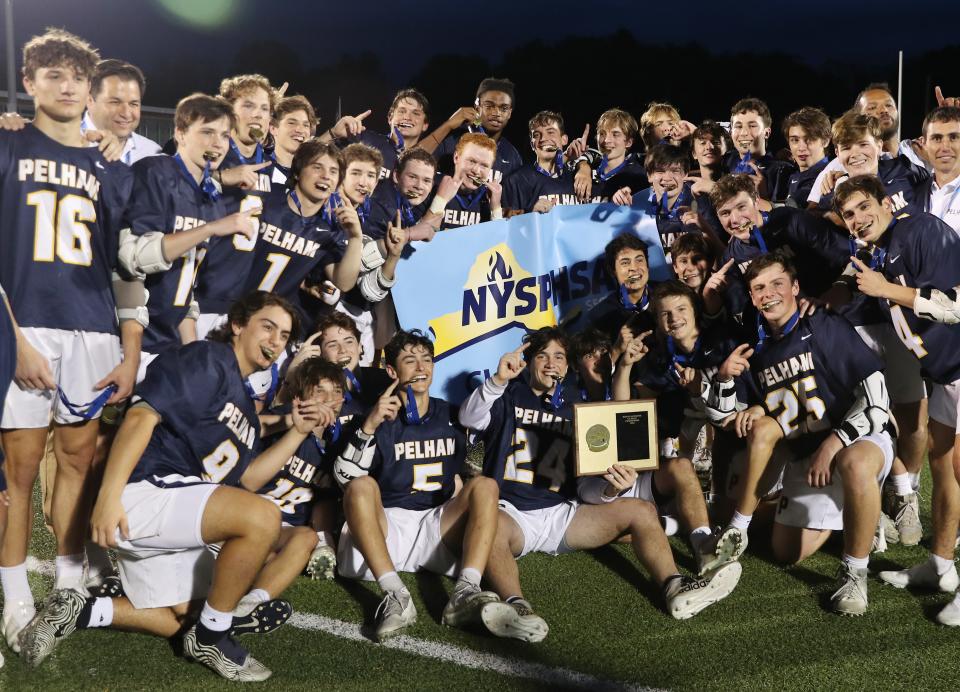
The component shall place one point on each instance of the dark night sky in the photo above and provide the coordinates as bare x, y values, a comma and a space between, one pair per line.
839, 41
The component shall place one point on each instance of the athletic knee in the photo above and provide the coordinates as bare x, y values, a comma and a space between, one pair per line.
638, 514
261, 519
361, 489
483, 489
765, 431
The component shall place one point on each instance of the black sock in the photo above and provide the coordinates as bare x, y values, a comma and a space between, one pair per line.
207, 636
83, 620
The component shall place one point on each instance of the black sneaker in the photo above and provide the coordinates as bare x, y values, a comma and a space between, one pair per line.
111, 587
264, 618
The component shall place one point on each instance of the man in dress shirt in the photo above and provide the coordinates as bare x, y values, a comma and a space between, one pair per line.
116, 93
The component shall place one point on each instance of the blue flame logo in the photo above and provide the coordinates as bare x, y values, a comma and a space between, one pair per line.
498, 268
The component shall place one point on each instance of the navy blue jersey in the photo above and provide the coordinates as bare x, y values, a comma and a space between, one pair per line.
669, 225
308, 473
384, 203
228, 257
209, 431
658, 371
611, 313
819, 249
800, 183
528, 447
806, 380
59, 231
924, 252
900, 177
290, 249
606, 180
466, 209
776, 173
415, 463
164, 200
523, 188
507, 161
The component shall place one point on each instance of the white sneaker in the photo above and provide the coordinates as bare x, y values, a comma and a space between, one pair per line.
465, 604
725, 547
322, 563
923, 576
687, 596
950, 615
16, 616
395, 612
515, 620
850, 598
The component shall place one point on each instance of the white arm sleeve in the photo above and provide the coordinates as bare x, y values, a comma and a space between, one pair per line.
475, 411
937, 306
142, 254
870, 411
719, 398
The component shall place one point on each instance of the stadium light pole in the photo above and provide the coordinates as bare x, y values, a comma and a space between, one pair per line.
11, 58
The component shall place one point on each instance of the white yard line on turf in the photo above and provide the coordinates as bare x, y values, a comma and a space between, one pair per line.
468, 658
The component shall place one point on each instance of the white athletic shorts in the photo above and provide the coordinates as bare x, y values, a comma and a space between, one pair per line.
902, 368
945, 404
413, 541
145, 360
822, 508
543, 530
78, 360
165, 562
207, 322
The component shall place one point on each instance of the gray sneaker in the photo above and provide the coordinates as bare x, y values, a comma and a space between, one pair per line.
923, 576
464, 605
395, 612
726, 546
226, 658
851, 596
906, 516
687, 596
515, 620
55, 622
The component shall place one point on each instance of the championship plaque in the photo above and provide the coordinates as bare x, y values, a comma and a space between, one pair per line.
615, 432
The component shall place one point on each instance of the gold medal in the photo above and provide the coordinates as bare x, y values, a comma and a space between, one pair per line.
598, 438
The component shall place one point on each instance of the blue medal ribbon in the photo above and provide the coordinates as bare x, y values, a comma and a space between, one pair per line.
268, 395
557, 166
607, 395
410, 408
471, 199
354, 384
682, 359
628, 304
406, 210
334, 432
763, 335
602, 172
296, 202
743, 165
878, 255
91, 408
673, 212
399, 145
757, 238
257, 154
555, 401
206, 186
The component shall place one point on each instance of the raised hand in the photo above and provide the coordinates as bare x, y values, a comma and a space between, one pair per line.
736, 363
244, 176
511, 364
623, 197
386, 408
350, 125
634, 348
396, 237
578, 147
347, 217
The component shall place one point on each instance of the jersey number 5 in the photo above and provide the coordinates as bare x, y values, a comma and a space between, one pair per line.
60, 229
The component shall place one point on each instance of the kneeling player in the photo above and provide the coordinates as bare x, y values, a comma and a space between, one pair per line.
528, 451
823, 387
170, 490
400, 476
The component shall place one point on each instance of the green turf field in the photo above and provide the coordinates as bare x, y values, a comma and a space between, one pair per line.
607, 632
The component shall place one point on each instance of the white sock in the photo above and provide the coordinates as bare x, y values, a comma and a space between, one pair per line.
741, 521
101, 614
901, 483
98, 561
15, 585
698, 536
942, 564
215, 620
856, 562
914, 480
470, 575
69, 571
324, 538
259, 594
391, 582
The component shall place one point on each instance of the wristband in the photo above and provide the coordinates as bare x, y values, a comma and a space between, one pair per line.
438, 205
496, 213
